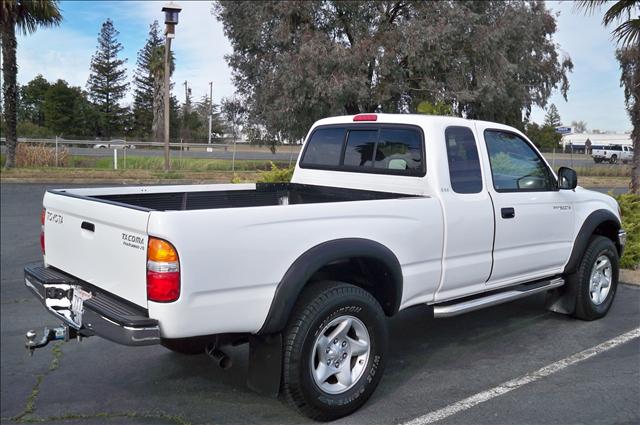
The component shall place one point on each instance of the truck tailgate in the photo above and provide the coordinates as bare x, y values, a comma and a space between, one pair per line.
101, 243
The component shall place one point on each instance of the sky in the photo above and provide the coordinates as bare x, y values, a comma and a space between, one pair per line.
595, 95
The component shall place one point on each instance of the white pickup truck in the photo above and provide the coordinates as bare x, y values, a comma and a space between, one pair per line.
384, 212
612, 154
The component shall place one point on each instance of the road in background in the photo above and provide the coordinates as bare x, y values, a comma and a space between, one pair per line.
431, 364
285, 153
216, 153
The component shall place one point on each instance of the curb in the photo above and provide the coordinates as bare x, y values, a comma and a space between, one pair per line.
630, 277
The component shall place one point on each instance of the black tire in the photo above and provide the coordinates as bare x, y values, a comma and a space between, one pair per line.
586, 309
317, 307
187, 346
597, 160
614, 159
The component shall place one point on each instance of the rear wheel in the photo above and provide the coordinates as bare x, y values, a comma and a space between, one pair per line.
614, 159
596, 279
334, 350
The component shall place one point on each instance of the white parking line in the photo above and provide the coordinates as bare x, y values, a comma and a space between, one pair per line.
516, 383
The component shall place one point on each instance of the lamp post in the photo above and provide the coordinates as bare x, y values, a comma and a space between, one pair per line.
171, 12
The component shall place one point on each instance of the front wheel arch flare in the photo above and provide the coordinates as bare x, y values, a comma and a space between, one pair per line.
300, 272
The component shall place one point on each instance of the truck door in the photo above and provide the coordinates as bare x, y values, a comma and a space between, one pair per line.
469, 223
534, 220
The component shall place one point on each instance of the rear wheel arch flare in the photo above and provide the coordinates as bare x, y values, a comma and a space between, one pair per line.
386, 287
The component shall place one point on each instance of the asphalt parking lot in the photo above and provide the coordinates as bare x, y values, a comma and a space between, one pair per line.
432, 365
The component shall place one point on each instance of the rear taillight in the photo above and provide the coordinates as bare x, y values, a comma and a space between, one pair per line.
163, 271
42, 216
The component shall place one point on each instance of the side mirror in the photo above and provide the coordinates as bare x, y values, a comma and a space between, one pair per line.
567, 178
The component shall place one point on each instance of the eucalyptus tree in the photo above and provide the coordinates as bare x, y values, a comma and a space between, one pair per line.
294, 62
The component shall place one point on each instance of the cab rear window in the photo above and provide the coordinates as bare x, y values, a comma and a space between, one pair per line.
367, 148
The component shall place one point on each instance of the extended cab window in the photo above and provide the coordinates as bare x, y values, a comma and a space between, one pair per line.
464, 163
515, 165
368, 148
324, 147
360, 147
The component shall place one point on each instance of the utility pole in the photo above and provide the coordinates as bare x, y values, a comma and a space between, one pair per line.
186, 91
210, 108
171, 12
167, 95
186, 131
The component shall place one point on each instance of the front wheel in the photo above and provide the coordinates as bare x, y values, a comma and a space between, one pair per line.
334, 350
596, 279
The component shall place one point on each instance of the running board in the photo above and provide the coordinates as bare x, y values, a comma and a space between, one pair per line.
453, 308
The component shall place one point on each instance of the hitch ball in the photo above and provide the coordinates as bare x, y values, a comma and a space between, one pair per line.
61, 333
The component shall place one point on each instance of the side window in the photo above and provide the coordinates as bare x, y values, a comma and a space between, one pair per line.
324, 147
400, 149
515, 166
464, 163
360, 147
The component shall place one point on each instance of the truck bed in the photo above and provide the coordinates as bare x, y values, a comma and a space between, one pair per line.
264, 194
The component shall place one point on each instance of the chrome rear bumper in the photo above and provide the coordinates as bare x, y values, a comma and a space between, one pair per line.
90, 311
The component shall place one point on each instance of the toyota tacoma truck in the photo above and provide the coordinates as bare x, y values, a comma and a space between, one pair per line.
383, 212
613, 154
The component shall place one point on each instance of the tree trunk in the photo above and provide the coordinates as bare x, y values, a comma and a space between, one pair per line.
157, 126
9, 73
635, 137
352, 108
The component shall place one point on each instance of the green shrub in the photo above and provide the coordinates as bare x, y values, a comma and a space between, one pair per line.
276, 175
630, 206
236, 179
29, 129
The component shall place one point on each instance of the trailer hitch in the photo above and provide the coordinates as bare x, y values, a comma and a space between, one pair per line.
61, 333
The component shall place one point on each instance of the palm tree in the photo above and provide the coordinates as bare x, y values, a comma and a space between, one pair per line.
629, 59
156, 66
626, 14
622, 12
26, 16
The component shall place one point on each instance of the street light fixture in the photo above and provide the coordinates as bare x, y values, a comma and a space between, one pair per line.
171, 12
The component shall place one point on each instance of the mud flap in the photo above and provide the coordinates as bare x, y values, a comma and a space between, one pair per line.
563, 299
265, 364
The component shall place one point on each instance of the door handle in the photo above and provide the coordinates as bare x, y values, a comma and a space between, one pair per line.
88, 226
508, 212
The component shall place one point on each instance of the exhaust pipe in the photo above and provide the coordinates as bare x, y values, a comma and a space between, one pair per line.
219, 357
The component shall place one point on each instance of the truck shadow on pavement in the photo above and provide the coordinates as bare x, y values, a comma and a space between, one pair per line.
430, 364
